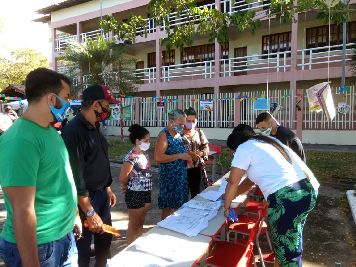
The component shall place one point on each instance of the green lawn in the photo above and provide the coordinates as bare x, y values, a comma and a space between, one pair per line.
327, 166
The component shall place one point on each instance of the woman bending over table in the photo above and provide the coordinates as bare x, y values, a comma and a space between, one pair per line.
287, 184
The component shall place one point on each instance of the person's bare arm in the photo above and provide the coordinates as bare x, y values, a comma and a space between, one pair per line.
232, 187
160, 151
244, 186
22, 200
124, 175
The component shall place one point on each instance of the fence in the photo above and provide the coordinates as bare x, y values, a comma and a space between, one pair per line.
225, 109
318, 121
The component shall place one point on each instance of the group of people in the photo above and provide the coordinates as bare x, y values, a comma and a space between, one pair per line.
58, 193
57, 188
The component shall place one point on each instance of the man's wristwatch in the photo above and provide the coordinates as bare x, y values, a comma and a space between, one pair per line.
90, 213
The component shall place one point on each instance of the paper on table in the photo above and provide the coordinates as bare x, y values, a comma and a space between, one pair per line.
214, 195
204, 205
211, 195
156, 244
188, 221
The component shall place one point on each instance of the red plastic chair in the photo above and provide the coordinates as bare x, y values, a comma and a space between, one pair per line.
227, 254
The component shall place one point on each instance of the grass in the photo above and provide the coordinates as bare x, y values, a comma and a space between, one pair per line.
118, 149
338, 167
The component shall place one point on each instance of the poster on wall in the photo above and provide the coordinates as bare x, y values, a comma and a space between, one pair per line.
320, 98
261, 104
343, 108
127, 113
160, 104
206, 105
313, 99
115, 112
326, 101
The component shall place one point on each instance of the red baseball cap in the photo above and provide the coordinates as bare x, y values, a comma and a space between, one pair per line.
98, 92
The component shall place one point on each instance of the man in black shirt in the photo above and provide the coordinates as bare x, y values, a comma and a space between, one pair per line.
268, 126
88, 155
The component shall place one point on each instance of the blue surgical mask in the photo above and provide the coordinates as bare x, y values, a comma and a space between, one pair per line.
60, 113
178, 129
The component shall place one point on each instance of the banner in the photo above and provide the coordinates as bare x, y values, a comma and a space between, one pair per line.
261, 104
115, 112
206, 105
320, 98
127, 113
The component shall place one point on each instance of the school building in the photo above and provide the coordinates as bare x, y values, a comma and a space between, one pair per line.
279, 62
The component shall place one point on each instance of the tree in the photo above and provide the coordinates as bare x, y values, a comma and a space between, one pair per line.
102, 62
98, 61
14, 69
215, 24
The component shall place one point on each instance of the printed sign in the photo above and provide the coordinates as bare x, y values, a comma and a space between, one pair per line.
343, 108
261, 104
115, 112
206, 105
320, 98
127, 113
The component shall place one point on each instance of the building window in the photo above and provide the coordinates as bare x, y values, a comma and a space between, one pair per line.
202, 53
275, 43
224, 51
151, 60
319, 36
168, 58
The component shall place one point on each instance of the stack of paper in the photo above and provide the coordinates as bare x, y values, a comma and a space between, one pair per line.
214, 195
192, 218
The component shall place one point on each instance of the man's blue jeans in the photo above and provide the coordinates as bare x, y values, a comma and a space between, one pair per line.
62, 252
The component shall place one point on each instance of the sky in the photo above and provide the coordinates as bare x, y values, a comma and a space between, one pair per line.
17, 30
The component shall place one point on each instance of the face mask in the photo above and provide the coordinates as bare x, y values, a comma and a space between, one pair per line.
190, 125
144, 146
60, 113
178, 129
104, 114
266, 131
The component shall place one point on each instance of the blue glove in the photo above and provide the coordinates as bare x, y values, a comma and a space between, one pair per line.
232, 216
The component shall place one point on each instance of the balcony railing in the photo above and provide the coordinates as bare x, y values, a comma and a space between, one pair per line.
62, 41
279, 62
85, 36
176, 20
195, 70
308, 59
242, 5
146, 74
150, 26
319, 57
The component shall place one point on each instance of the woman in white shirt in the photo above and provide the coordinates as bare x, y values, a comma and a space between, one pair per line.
286, 182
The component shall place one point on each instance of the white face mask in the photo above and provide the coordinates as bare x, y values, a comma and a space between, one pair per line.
144, 146
266, 131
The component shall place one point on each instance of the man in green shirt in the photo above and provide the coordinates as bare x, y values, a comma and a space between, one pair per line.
35, 175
